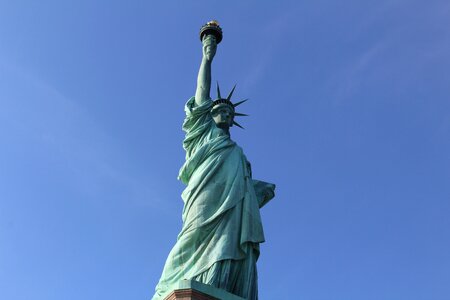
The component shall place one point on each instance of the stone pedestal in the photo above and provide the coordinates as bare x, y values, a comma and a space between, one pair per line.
193, 290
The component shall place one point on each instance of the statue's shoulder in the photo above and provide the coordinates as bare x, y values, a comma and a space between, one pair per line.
194, 110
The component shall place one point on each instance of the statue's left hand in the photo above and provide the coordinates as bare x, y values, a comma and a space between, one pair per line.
264, 191
269, 192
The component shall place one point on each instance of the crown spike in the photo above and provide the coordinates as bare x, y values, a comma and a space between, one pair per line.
240, 115
231, 93
237, 124
239, 103
218, 91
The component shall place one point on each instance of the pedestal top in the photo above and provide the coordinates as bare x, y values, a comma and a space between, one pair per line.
191, 289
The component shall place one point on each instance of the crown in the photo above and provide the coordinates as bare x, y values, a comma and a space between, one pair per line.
228, 102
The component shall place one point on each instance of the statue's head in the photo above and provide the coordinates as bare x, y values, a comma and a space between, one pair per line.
223, 110
223, 115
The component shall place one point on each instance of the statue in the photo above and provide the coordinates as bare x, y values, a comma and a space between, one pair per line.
219, 241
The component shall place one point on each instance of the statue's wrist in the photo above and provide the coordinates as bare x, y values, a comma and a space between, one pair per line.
207, 60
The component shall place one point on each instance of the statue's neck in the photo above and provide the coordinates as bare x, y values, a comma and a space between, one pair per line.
225, 130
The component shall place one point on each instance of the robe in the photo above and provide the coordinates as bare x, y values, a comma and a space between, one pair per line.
219, 240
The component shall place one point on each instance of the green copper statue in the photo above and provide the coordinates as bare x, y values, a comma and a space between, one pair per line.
219, 241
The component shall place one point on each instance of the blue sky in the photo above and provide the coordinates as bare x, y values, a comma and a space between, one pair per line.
350, 117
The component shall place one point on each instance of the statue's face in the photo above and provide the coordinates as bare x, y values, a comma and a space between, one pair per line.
210, 45
222, 115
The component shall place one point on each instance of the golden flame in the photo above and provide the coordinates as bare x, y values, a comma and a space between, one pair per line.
213, 23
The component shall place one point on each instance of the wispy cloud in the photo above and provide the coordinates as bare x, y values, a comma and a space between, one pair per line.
47, 119
347, 81
403, 50
264, 51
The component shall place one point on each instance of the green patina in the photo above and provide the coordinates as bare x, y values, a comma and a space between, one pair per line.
219, 241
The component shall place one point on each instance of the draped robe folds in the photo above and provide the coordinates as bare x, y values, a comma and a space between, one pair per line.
222, 226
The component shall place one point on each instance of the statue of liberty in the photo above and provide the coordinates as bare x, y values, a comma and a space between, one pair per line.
219, 241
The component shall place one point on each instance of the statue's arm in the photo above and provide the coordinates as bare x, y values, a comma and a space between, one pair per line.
204, 73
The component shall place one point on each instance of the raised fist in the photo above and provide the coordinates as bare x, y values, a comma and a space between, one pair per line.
209, 47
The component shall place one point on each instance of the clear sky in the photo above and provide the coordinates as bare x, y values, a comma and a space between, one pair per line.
350, 117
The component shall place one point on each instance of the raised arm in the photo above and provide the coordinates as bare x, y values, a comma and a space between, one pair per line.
204, 74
